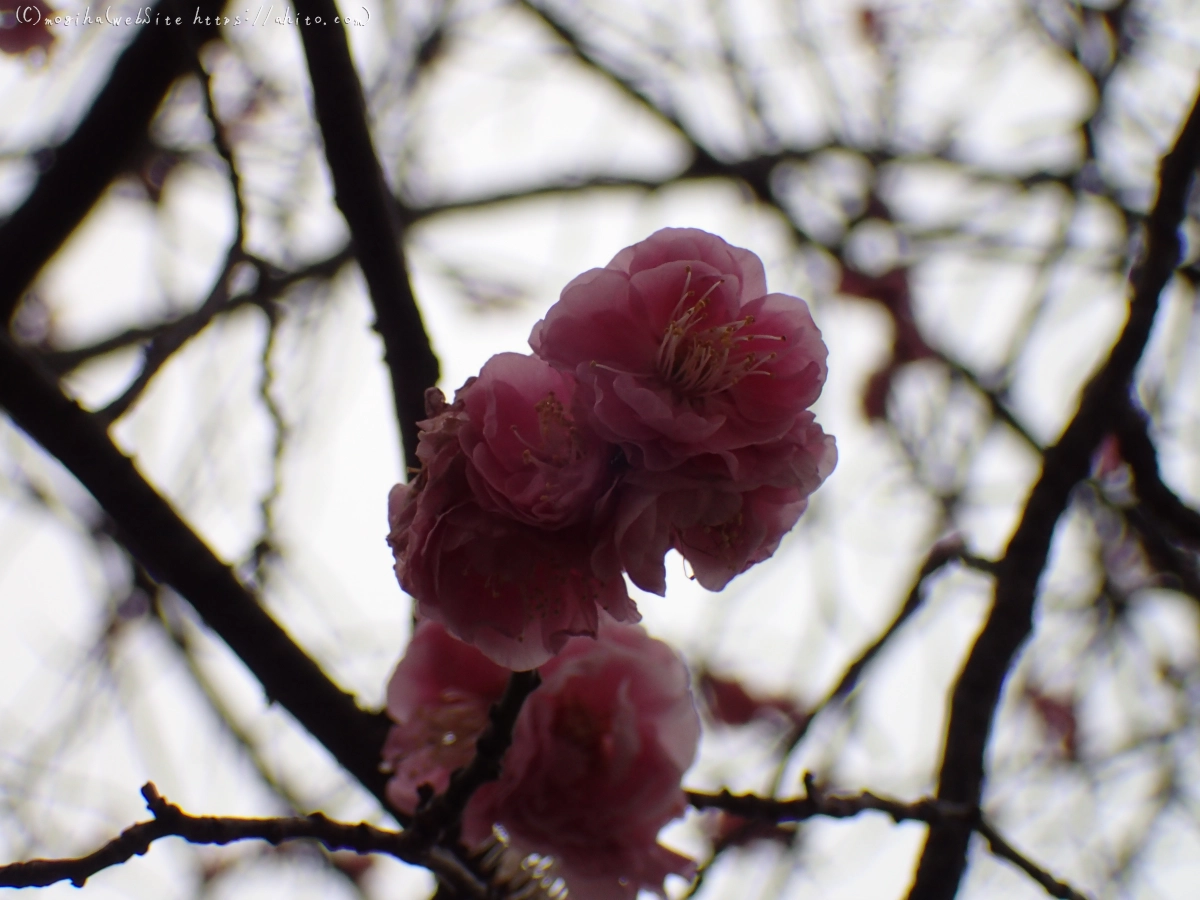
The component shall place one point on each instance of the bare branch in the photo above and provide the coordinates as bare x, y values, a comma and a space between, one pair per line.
1066, 463
1160, 501
171, 821
271, 284
175, 555
834, 806
941, 554
363, 197
626, 85
816, 803
159, 350
1003, 849
85, 164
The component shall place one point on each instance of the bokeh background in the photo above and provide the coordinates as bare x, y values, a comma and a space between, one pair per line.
955, 187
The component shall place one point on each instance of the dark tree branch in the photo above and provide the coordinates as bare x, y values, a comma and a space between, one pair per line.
567, 187
816, 803
171, 821
1065, 464
163, 347
87, 162
363, 197
755, 171
1003, 849
941, 554
270, 285
834, 806
624, 84
444, 812
174, 555
994, 400
1159, 500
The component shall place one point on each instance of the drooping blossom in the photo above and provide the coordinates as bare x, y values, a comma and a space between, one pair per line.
721, 525
679, 350
464, 547
594, 770
597, 756
438, 698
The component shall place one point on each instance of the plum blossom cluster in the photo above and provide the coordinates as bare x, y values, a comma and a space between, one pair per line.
594, 769
666, 406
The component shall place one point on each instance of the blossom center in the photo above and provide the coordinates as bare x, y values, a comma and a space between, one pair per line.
560, 444
583, 727
698, 359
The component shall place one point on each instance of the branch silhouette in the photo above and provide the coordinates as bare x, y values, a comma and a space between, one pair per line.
171, 821
817, 803
173, 554
363, 197
412, 847
978, 688
83, 166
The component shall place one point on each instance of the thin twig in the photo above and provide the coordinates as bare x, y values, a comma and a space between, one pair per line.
279, 430
171, 821
363, 197
173, 554
271, 284
1159, 500
1003, 849
443, 813
941, 554
163, 347
816, 803
833, 806
224, 149
86, 163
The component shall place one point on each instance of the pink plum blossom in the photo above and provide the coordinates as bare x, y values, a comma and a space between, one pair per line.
515, 591
597, 755
595, 765
596, 760
720, 525
704, 381
679, 351
528, 458
438, 696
